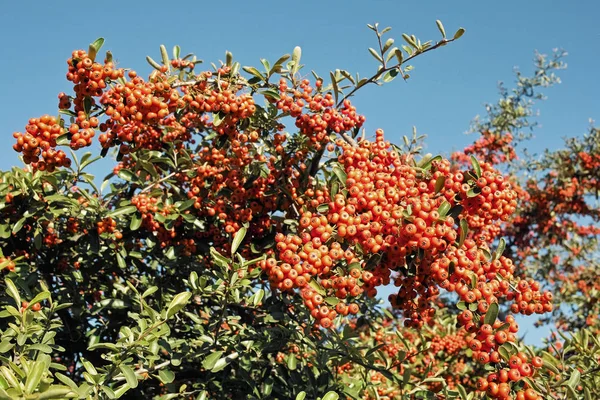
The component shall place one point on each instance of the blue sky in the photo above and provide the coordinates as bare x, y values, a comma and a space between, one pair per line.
447, 89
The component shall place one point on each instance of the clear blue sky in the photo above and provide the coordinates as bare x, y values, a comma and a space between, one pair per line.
447, 89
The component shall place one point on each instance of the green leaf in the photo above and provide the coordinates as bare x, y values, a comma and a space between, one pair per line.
399, 56
166, 376
66, 380
476, 166
126, 175
58, 392
176, 52
464, 229
258, 296
317, 287
165, 56
296, 55
491, 314
149, 291
462, 392
122, 211
179, 301
129, 375
331, 396
34, 376
574, 379
459, 33
12, 291
95, 47
441, 28
301, 395
237, 239
210, 360
109, 392
375, 55
18, 225
500, 249
136, 222
255, 72
292, 362
571, 393
153, 63
443, 209
39, 297
340, 173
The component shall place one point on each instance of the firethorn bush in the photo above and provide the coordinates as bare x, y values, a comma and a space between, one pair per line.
237, 247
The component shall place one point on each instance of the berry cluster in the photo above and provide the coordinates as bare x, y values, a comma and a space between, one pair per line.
38, 144
322, 117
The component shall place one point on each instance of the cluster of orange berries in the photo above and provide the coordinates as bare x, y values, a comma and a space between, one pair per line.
180, 63
322, 117
148, 208
107, 225
90, 77
38, 144
491, 147
495, 202
138, 110
497, 384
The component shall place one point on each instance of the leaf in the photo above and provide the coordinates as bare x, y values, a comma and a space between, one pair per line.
129, 374
122, 211
574, 379
375, 55
301, 395
399, 56
95, 47
237, 239
176, 51
292, 362
464, 229
66, 380
57, 392
439, 184
166, 376
459, 33
491, 314
500, 249
153, 63
443, 209
149, 291
331, 396
34, 376
462, 392
336, 90
340, 173
210, 360
126, 175
441, 28
165, 56
476, 166
296, 55
12, 291
317, 287
255, 72
258, 296
388, 44
136, 222
179, 301
18, 225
